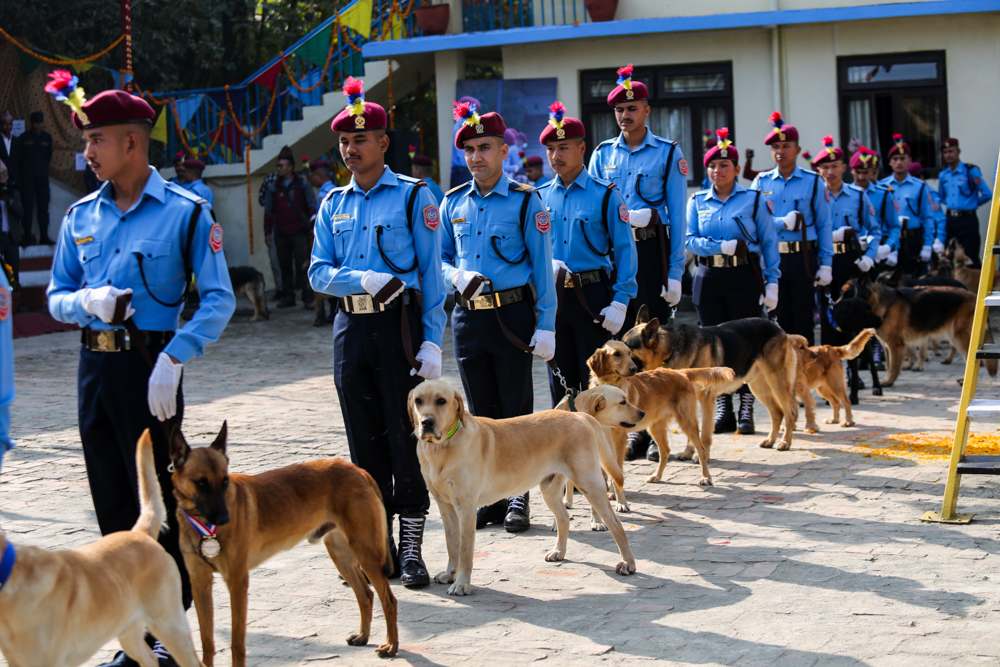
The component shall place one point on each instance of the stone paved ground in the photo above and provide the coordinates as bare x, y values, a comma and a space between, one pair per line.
814, 556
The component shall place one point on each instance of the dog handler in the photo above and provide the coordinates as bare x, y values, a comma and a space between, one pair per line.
497, 230
729, 230
378, 250
6, 363
916, 209
136, 235
589, 227
963, 190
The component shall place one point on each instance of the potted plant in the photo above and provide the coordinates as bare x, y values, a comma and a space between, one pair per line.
601, 10
433, 19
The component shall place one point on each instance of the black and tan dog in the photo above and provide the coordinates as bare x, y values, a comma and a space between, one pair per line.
851, 317
250, 282
910, 315
254, 517
757, 350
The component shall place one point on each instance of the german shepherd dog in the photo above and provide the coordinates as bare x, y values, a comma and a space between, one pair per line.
258, 516
853, 316
912, 314
820, 367
250, 282
758, 351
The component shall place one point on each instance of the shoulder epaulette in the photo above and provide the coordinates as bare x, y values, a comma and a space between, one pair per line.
524, 187
855, 186
972, 166
606, 141
184, 192
546, 184
407, 179
705, 192
90, 197
666, 141
457, 188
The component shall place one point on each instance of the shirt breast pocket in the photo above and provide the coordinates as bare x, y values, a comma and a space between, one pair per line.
342, 232
590, 223
649, 187
507, 243
154, 258
89, 255
395, 237
463, 239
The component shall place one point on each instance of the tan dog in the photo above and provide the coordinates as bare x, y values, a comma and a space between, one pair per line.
58, 607
665, 395
610, 407
469, 462
820, 368
258, 516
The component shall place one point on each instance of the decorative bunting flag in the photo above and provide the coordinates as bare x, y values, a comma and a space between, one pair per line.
312, 97
359, 18
237, 95
186, 108
159, 132
121, 78
269, 77
316, 49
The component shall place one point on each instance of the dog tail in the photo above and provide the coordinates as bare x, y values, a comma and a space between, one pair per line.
799, 342
711, 379
991, 364
152, 512
856, 346
388, 566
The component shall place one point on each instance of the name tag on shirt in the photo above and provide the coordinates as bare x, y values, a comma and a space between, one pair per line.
457, 220
611, 166
85, 239
769, 192
342, 216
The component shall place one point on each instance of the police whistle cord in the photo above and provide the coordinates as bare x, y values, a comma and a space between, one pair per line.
382, 297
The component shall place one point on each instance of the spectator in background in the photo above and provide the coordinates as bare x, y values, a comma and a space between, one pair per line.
291, 203
533, 170
422, 169
193, 182
36, 154
10, 224
10, 147
272, 250
178, 168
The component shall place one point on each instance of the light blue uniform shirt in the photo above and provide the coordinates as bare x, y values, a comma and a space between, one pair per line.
940, 219
324, 190
852, 208
203, 191
914, 199
476, 226
435, 190
97, 247
963, 189
886, 214
710, 221
577, 219
613, 161
803, 191
7, 392
347, 243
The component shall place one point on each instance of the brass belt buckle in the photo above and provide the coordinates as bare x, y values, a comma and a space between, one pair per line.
359, 303
105, 341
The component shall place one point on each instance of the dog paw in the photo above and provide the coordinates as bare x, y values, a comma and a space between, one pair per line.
652, 479
596, 527
555, 555
622, 508
357, 639
946, 361
766, 444
918, 369
845, 424
685, 456
828, 420
387, 650
705, 481
569, 505
784, 446
625, 568
877, 391
444, 577
460, 589
612, 495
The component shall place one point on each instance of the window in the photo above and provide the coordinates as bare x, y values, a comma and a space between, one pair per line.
685, 100
888, 93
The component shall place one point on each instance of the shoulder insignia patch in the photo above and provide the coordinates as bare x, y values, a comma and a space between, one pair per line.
871, 208
935, 206
4, 304
770, 206
623, 212
432, 219
682, 166
543, 222
895, 205
826, 193
977, 180
215, 237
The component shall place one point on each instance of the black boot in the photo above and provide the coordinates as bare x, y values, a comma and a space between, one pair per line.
725, 418
393, 553
488, 514
120, 660
411, 539
653, 454
746, 415
638, 445
518, 517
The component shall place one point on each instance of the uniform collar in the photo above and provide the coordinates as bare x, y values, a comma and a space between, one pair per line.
959, 168
891, 180
737, 188
502, 188
844, 187
582, 180
155, 187
648, 140
388, 179
796, 173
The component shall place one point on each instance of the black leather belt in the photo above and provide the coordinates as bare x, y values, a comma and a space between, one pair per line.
119, 340
904, 233
788, 247
723, 261
959, 214
586, 278
840, 248
644, 233
495, 300
365, 304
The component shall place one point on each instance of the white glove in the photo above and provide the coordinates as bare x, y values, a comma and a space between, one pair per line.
925, 253
559, 264
824, 276
100, 301
641, 217
892, 258
163, 383
673, 294
788, 221
373, 282
429, 357
882, 253
729, 247
838, 234
938, 246
461, 279
865, 263
614, 317
770, 298
544, 344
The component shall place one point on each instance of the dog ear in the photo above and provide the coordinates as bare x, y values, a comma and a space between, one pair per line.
460, 409
642, 316
219, 444
179, 449
596, 363
651, 333
411, 413
600, 403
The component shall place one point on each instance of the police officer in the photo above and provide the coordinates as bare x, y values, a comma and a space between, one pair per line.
378, 249
533, 170
729, 230
963, 189
795, 198
864, 169
36, 154
192, 180
916, 212
178, 168
422, 170
937, 210
589, 227
496, 230
319, 176
143, 237
856, 231
7, 393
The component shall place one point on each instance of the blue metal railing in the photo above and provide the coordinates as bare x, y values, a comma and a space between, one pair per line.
484, 15
262, 100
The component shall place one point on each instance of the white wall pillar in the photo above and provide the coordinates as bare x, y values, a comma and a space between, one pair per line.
449, 67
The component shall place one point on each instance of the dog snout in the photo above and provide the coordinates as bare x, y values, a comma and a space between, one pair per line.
221, 518
428, 423
642, 415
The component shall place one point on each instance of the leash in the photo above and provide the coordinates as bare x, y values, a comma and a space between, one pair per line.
662, 235
800, 225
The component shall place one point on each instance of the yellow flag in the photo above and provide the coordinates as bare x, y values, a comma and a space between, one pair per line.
160, 128
79, 68
359, 18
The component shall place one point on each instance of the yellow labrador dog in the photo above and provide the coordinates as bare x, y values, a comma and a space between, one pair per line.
469, 461
58, 607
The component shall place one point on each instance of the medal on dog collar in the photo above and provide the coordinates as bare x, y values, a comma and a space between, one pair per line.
210, 547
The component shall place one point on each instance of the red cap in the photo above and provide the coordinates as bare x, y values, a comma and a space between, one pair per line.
561, 126
899, 147
950, 142
828, 153
113, 107
318, 164
781, 131
194, 165
627, 90
723, 149
916, 169
533, 161
474, 125
359, 116
864, 158
422, 161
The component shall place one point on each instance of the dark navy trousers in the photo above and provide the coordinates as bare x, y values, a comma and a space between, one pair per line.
965, 228
649, 278
578, 337
113, 412
495, 374
796, 295
844, 269
373, 381
909, 253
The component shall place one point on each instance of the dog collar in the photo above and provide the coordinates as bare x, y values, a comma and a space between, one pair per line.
7, 564
454, 430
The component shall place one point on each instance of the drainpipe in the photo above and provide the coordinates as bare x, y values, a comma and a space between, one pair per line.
775, 63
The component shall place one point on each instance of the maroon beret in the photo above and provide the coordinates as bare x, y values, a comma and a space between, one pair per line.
863, 158
318, 164
781, 131
570, 128
950, 142
723, 149
490, 125
533, 161
828, 153
196, 165
916, 169
899, 147
627, 90
113, 107
373, 118
422, 161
